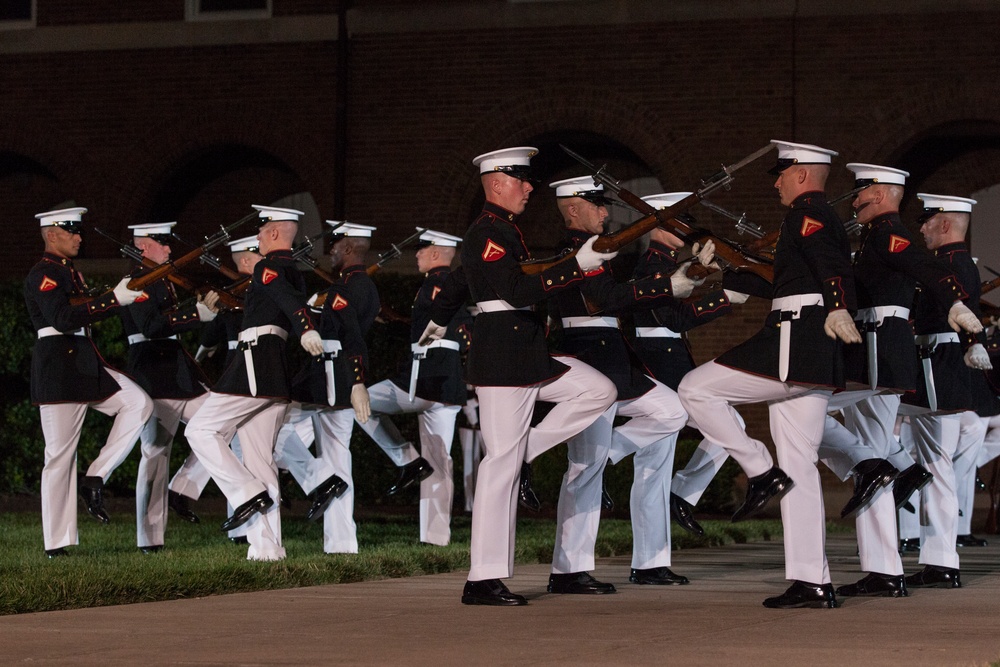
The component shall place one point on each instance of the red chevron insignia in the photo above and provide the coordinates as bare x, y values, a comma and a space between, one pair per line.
47, 285
435, 292
339, 303
267, 275
897, 243
810, 226
142, 297
492, 252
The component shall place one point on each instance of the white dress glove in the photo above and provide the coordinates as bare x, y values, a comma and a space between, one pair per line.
736, 297
681, 285
312, 342
204, 353
961, 317
361, 403
312, 300
706, 254
125, 295
432, 333
977, 357
589, 259
840, 324
207, 308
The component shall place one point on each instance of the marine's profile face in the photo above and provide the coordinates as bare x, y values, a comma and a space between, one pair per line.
515, 193
590, 216
153, 250
64, 243
933, 231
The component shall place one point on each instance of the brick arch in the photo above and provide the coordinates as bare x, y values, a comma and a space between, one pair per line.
518, 120
69, 163
260, 128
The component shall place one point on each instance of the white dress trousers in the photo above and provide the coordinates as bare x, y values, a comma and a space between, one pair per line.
580, 395
797, 415
151, 484
436, 422
936, 439
650, 434
62, 424
209, 433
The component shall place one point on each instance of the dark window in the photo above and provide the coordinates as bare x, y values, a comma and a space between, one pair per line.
15, 10
231, 5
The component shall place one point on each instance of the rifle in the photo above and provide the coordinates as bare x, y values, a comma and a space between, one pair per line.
167, 268
729, 254
990, 285
133, 253
303, 253
395, 251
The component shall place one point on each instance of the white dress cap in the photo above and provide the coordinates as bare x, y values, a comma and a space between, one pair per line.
72, 217
350, 229
576, 187
789, 154
429, 237
275, 214
945, 204
152, 229
665, 199
873, 174
245, 244
515, 162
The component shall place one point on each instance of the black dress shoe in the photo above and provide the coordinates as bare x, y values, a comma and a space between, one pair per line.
527, 498
912, 479
682, 512
239, 539
935, 576
244, 512
323, 495
153, 549
870, 475
490, 592
179, 504
970, 540
56, 553
910, 545
876, 584
410, 474
772, 484
657, 576
607, 502
804, 594
578, 583
91, 489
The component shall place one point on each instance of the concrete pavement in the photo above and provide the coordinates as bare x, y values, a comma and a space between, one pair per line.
717, 619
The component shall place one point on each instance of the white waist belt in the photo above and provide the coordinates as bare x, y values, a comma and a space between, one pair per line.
248, 339
796, 302
417, 348
655, 332
577, 322
139, 338
253, 333
52, 331
879, 313
331, 349
931, 340
420, 351
496, 306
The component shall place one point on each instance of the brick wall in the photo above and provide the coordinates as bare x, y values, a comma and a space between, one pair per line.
117, 131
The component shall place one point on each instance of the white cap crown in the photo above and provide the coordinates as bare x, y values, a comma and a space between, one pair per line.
275, 214
665, 199
873, 174
791, 153
430, 237
513, 161
945, 204
351, 229
245, 244
69, 217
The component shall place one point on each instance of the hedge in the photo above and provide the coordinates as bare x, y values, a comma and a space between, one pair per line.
22, 445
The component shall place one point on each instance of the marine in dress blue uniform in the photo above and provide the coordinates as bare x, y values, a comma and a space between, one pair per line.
794, 364
510, 365
431, 384
591, 332
331, 387
951, 382
68, 376
253, 392
165, 371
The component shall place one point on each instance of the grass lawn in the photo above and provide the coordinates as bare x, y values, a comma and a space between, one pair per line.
107, 569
